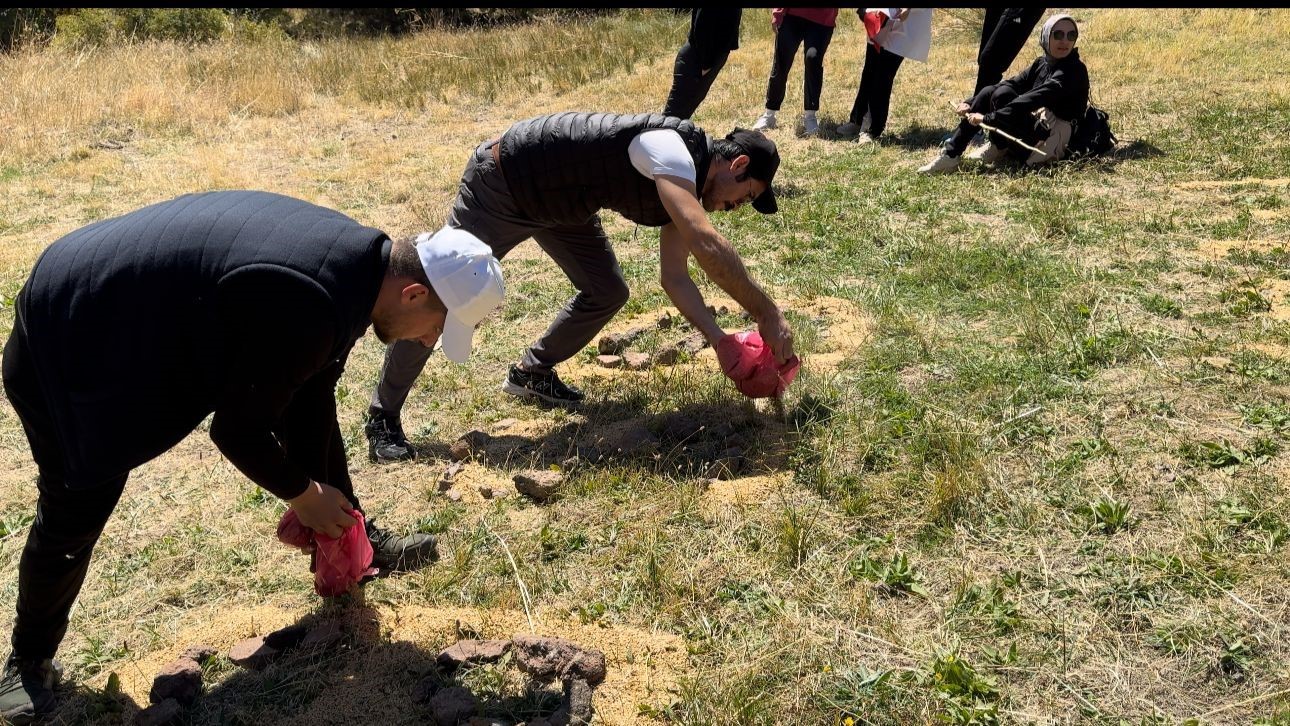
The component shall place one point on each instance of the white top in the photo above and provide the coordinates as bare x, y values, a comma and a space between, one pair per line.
661, 151
910, 38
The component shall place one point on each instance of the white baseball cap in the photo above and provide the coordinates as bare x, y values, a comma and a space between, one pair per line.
467, 278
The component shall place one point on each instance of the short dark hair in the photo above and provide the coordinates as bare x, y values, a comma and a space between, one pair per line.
405, 262
727, 148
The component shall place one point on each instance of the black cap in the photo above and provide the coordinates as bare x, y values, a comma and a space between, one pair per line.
763, 162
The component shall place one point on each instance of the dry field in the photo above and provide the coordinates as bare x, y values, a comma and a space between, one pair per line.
1034, 469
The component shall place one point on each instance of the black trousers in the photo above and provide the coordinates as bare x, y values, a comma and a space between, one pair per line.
714, 32
1003, 34
691, 80
793, 32
874, 94
989, 99
68, 521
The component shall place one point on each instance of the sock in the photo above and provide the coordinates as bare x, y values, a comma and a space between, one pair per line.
770, 113
808, 115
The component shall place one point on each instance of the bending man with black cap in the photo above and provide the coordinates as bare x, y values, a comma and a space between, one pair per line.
130, 331
548, 178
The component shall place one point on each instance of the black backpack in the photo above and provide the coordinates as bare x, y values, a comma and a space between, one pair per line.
1092, 135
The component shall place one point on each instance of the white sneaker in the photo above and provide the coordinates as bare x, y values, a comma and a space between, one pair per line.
850, 128
764, 121
810, 125
865, 138
940, 165
989, 153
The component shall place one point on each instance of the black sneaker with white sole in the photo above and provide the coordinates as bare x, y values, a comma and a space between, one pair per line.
27, 689
385, 440
545, 386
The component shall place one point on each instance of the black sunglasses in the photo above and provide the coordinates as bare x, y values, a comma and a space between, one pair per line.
1064, 35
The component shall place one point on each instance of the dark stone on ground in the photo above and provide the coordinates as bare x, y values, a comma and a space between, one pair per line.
616, 343
159, 714
181, 681
575, 709
252, 653
634, 361
453, 705
199, 653
424, 689
470, 443
323, 635
472, 652
549, 658
538, 484
286, 638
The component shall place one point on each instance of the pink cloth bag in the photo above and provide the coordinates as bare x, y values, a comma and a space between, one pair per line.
339, 562
749, 362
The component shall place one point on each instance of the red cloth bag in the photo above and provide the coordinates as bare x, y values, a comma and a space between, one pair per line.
339, 562
749, 362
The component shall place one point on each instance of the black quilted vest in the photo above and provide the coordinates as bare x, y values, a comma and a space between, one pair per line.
564, 168
121, 315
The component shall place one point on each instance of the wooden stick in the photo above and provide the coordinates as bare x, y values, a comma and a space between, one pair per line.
1002, 133
1011, 138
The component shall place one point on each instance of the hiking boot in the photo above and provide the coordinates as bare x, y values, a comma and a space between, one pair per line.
27, 689
386, 442
545, 386
764, 121
990, 153
400, 554
942, 164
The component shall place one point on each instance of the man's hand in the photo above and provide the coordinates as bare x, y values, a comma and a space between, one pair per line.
777, 334
323, 509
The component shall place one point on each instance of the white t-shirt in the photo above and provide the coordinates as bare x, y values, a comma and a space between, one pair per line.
661, 151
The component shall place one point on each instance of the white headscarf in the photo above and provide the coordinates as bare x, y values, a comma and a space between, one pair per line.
1048, 29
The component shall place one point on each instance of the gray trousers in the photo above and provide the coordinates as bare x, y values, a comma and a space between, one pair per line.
486, 208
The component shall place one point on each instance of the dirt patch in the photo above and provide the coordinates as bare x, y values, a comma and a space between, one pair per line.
745, 491
1281, 182
1218, 249
1278, 293
394, 644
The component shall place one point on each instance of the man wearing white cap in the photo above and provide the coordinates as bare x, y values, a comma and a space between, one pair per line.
240, 304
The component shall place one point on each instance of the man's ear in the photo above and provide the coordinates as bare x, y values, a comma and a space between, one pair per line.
740, 163
415, 292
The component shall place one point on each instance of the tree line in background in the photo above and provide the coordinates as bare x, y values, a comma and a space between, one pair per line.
89, 27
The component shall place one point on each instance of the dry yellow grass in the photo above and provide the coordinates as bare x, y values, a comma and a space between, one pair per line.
380, 129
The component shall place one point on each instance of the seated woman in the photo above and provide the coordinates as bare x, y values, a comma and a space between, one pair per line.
1037, 105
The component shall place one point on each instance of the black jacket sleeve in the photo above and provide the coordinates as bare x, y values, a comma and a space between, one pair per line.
278, 335
1065, 89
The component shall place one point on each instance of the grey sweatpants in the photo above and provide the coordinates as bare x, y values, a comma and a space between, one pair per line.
486, 208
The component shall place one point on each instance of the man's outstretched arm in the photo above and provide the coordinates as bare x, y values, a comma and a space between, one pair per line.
721, 262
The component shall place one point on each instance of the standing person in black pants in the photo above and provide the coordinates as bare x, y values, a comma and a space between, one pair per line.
714, 32
793, 28
1003, 35
130, 331
902, 33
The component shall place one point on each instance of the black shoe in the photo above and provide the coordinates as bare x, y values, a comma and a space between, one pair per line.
386, 442
545, 386
400, 554
27, 689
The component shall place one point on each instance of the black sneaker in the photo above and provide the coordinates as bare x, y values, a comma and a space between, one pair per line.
400, 554
386, 442
545, 386
27, 689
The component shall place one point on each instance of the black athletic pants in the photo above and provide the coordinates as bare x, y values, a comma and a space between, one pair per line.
793, 32
874, 94
1003, 34
989, 99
